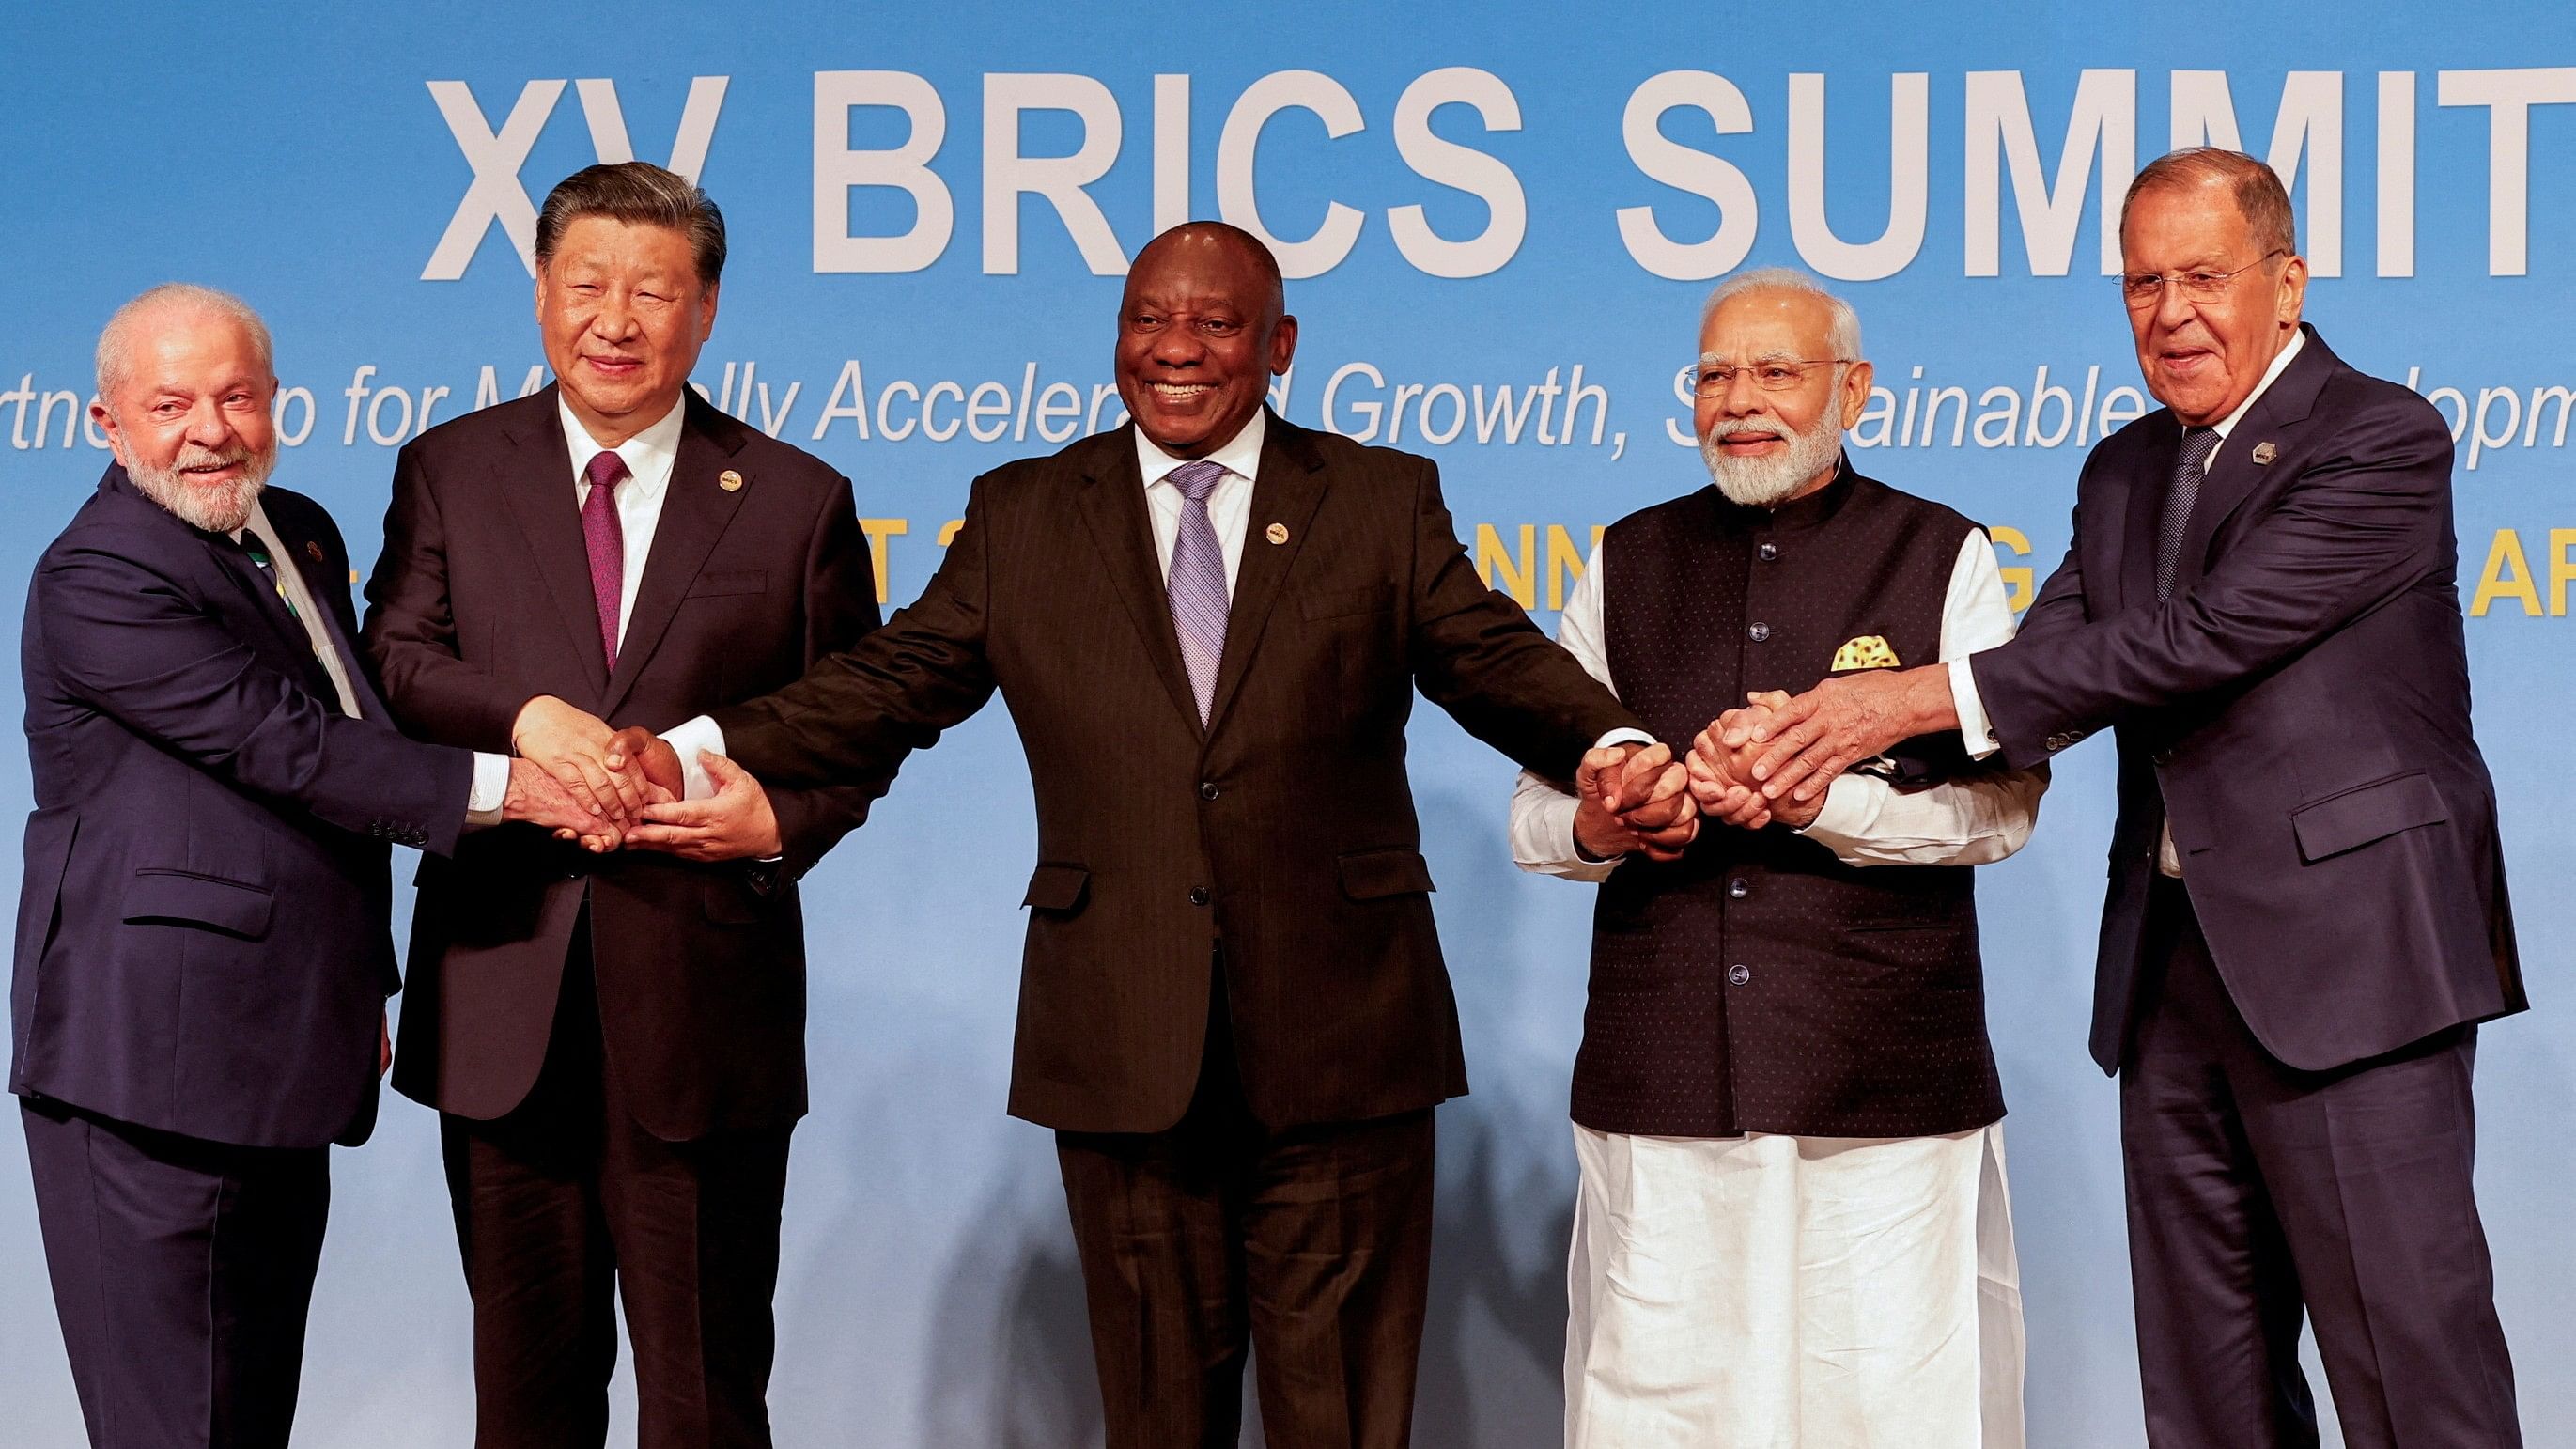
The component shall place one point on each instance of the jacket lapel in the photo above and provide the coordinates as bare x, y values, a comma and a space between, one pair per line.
1291, 486
324, 593
2233, 479
1112, 502
535, 481
695, 510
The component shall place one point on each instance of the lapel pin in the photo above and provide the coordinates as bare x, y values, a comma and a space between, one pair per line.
313, 551
2264, 452
730, 481
1276, 533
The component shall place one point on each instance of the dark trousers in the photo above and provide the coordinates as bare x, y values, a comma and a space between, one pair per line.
1310, 1245
182, 1270
2259, 1193
565, 1205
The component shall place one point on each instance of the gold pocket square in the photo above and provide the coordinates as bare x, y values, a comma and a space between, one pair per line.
1869, 651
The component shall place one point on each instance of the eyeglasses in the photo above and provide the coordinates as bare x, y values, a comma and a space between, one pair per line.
2142, 290
1779, 374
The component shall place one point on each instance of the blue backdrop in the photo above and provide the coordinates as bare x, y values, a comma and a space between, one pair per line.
1499, 219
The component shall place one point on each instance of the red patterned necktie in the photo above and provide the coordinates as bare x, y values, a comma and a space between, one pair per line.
605, 538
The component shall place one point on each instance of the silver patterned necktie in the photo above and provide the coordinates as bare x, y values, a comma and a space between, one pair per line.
2190, 467
1196, 586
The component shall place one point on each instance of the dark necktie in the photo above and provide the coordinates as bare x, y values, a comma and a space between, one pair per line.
605, 539
2190, 467
1197, 583
257, 547
265, 560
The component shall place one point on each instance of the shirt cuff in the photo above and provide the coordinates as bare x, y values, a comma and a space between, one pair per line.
1623, 737
1850, 809
490, 790
1975, 730
687, 739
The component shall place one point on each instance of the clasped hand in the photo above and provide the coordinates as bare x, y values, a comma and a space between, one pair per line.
1633, 799
607, 789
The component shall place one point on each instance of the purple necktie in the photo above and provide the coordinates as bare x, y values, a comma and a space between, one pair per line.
1197, 583
605, 538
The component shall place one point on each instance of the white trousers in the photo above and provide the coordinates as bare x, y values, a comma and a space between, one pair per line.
1771, 1292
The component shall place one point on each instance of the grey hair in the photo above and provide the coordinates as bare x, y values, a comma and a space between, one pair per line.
1844, 336
115, 342
2256, 187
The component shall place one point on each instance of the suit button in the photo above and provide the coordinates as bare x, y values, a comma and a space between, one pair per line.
1739, 974
1739, 888
1208, 790
1198, 895
2162, 757
1767, 552
1758, 633
2057, 742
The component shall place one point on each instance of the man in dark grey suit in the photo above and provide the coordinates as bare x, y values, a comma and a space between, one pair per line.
2307, 913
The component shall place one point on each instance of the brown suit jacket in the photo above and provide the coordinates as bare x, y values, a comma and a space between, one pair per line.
483, 600
1285, 830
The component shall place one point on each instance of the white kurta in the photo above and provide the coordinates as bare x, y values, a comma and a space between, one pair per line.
1777, 1292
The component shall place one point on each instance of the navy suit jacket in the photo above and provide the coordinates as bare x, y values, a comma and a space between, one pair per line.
203, 944
2300, 708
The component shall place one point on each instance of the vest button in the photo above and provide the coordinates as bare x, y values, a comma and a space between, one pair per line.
1198, 895
1208, 790
1767, 552
1758, 633
1739, 974
1739, 888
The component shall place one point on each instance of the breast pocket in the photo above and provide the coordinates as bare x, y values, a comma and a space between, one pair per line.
723, 585
1358, 627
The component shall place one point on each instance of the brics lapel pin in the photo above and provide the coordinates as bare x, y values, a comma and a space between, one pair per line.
730, 481
2264, 453
1276, 533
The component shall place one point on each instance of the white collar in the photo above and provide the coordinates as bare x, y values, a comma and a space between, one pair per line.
2280, 361
649, 454
1240, 456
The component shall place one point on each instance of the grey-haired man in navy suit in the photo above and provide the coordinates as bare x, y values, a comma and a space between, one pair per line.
203, 956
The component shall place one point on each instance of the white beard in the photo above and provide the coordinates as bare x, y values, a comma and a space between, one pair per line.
1771, 481
216, 508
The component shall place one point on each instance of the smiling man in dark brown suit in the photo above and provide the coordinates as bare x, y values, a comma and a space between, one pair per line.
1209, 628
617, 1045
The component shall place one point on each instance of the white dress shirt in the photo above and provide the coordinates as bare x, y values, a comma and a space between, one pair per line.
1979, 732
1865, 820
1229, 505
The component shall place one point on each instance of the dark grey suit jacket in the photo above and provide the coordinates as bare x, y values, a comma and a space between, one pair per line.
2300, 707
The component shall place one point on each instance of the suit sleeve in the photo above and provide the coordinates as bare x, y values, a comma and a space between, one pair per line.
410, 634
858, 712
2358, 528
1476, 654
840, 610
133, 644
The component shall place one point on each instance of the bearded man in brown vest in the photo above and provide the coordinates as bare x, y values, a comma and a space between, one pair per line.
1792, 1227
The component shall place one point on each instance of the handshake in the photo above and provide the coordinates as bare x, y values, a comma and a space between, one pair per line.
1640, 800
610, 789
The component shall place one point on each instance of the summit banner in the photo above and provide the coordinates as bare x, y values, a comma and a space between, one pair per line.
1498, 223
